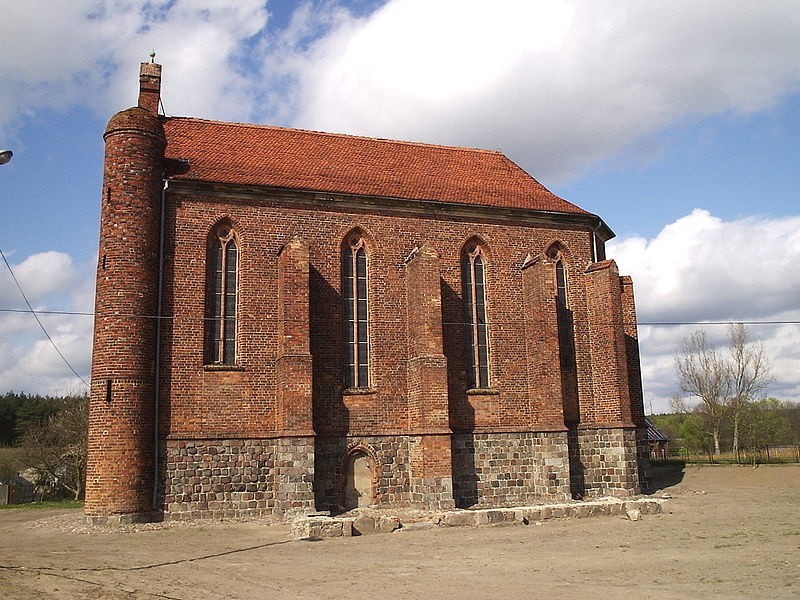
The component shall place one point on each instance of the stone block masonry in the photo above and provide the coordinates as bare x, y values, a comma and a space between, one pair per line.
238, 477
504, 469
607, 463
390, 458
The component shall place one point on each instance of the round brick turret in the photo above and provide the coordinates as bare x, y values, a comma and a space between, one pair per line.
120, 475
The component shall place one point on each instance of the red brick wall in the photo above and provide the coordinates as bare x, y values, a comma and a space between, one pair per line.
541, 330
289, 371
119, 470
247, 406
609, 365
632, 352
294, 364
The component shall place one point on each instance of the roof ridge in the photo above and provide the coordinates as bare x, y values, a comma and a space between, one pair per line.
283, 157
338, 135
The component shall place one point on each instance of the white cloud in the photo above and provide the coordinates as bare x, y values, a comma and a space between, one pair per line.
51, 281
84, 53
701, 268
38, 275
556, 85
31, 362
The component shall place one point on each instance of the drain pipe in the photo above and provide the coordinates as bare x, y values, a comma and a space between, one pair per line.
157, 386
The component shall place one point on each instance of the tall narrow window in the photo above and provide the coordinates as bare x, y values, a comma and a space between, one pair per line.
477, 329
356, 312
221, 301
566, 336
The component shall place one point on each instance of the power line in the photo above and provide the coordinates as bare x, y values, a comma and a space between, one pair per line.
47, 312
385, 322
36, 316
730, 322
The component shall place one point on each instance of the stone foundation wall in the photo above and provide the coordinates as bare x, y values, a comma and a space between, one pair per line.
577, 484
496, 469
607, 463
431, 488
232, 478
391, 476
643, 458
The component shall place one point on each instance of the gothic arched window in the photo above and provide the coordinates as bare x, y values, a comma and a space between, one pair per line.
356, 311
473, 281
221, 298
566, 335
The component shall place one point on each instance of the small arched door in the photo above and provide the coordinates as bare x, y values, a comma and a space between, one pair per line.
357, 490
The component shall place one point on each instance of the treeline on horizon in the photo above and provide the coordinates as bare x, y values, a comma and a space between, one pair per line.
767, 423
20, 412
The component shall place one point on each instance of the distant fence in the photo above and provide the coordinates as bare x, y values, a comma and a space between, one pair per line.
764, 455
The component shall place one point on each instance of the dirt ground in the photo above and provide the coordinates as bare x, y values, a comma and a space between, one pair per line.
727, 532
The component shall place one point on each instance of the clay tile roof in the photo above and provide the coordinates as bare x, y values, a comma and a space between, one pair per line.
295, 159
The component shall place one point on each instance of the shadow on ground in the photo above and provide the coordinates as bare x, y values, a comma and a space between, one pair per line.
664, 475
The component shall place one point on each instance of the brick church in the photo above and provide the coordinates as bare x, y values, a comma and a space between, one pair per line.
290, 321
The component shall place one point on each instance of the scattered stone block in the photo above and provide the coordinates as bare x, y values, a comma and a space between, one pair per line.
364, 525
418, 526
321, 527
634, 514
494, 516
386, 524
459, 519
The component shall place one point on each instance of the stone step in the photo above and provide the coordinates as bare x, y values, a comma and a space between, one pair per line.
320, 526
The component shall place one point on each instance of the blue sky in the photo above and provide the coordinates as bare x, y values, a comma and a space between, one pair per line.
676, 122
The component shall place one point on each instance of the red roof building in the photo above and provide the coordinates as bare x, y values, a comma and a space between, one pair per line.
292, 321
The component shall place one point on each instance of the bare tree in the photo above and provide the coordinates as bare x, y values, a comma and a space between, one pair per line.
677, 405
56, 448
749, 372
704, 373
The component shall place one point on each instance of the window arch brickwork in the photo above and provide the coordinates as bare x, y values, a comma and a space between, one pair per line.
473, 281
566, 324
355, 297
222, 296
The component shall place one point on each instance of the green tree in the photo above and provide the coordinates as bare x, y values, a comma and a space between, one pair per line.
56, 448
19, 412
694, 432
9, 464
792, 412
765, 423
685, 429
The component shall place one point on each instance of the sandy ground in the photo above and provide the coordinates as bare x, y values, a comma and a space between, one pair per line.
727, 532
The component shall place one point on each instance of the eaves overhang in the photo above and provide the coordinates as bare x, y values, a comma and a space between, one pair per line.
436, 209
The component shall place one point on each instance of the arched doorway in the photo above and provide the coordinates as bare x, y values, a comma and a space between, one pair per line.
357, 489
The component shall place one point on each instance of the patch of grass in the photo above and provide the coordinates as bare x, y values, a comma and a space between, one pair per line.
783, 455
48, 504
